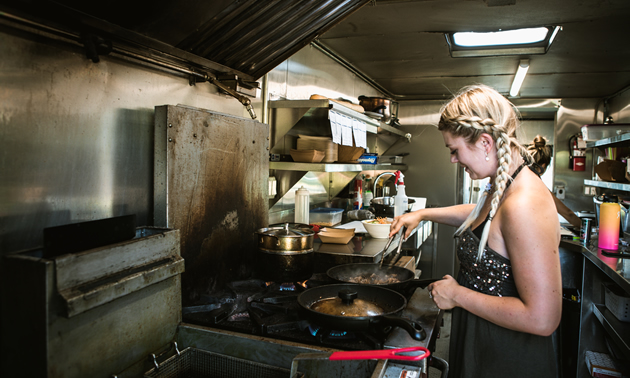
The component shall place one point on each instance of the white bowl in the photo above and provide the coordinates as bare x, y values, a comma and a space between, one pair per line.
377, 230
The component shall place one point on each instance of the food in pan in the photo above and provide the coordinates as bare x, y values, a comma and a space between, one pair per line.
375, 279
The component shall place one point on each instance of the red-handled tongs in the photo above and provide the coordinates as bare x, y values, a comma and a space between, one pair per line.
381, 354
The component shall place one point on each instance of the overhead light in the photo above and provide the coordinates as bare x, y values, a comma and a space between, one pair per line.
501, 42
519, 77
505, 37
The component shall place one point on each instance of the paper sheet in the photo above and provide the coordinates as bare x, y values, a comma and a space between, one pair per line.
357, 225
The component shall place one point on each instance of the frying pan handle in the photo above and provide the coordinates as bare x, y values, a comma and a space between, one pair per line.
414, 330
385, 354
423, 283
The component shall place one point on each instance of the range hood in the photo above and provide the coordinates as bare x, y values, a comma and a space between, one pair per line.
242, 39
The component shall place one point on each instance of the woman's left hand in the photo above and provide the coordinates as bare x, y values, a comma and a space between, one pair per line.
443, 292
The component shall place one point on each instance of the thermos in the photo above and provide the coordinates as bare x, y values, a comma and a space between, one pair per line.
301, 205
609, 221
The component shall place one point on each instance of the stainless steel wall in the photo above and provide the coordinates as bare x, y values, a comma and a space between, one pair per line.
571, 116
77, 137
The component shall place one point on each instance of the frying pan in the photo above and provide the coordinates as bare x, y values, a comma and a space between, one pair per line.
405, 279
391, 302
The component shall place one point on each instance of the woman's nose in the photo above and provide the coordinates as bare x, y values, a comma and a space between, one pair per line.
453, 159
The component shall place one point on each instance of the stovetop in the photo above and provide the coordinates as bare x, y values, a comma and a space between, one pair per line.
270, 309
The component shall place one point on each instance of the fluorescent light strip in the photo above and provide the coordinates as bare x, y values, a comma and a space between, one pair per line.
519, 77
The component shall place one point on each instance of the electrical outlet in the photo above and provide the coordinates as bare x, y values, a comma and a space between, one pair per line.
560, 192
590, 191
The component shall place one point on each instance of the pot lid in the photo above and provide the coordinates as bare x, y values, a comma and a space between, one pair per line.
347, 304
287, 231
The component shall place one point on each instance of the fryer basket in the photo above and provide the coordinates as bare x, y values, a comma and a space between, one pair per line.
193, 363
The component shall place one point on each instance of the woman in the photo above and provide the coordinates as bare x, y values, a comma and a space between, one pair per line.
541, 154
507, 299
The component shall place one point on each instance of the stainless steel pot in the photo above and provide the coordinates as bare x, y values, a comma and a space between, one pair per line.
380, 105
384, 206
285, 253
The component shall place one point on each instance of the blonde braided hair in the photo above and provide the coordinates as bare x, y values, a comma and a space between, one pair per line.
478, 110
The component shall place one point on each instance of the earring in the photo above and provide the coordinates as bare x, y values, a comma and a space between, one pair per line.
487, 158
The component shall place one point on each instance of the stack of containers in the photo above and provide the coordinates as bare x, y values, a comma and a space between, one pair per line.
325, 144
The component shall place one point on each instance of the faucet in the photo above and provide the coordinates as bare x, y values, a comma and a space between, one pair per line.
376, 181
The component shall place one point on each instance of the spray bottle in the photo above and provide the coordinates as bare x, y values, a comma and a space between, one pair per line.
401, 202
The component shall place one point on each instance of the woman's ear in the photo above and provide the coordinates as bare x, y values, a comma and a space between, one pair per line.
486, 141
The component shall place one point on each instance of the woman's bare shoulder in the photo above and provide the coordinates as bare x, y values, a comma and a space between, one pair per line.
530, 198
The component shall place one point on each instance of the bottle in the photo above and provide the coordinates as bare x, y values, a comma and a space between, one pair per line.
401, 202
302, 205
357, 202
609, 221
367, 193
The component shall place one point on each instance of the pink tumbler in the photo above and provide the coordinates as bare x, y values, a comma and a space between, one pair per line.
609, 221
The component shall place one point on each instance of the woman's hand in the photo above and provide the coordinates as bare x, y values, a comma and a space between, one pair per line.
409, 220
444, 292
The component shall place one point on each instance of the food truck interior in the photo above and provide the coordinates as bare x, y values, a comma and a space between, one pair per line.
150, 147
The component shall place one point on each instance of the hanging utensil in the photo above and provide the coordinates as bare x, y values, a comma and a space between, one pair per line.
386, 354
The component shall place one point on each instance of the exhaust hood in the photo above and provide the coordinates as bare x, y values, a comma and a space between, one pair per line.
245, 39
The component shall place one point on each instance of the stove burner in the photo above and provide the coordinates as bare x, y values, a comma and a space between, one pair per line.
314, 330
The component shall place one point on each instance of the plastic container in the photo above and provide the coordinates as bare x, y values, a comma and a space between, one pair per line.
601, 131
325, 216
302, 199
617, 303
609, 222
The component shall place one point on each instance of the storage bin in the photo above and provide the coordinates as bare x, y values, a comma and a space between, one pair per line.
325, 216
595, 132
617, 303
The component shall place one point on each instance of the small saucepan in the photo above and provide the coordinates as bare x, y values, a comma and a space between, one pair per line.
351, 307
390, 277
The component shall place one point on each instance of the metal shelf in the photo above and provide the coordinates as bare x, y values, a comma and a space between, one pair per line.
617, 330
333, 167
608, 142
608, 185
293, 110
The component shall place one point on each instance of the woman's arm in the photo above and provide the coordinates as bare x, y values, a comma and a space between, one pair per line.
451, 216
529, 233
567, 213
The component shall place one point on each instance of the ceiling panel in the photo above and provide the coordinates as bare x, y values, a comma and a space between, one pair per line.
400, 46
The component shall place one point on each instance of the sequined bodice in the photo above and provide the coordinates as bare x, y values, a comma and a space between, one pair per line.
491, 275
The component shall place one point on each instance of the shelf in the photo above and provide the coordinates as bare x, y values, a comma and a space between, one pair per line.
608, 185
334, 167
608, 142
617, 330
291, 111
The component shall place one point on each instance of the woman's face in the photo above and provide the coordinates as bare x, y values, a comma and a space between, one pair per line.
472, 156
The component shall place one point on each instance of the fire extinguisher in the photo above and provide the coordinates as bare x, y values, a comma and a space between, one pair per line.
577, 158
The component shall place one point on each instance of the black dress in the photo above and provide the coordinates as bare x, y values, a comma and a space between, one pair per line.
479, 348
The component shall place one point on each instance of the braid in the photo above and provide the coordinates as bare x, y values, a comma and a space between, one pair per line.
504, 154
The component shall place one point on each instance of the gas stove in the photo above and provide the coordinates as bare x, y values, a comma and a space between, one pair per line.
270, 309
